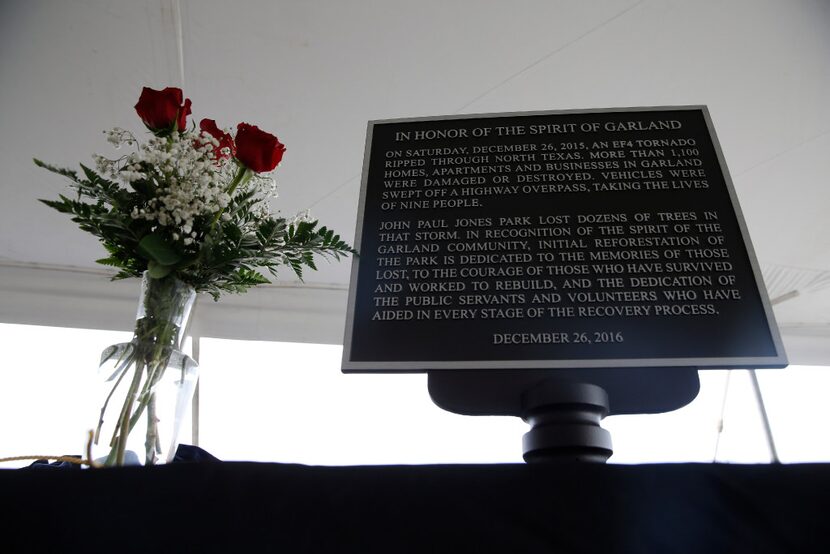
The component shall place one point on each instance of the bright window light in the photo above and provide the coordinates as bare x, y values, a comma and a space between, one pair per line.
47, 388
796, 401
289, 403
690, 434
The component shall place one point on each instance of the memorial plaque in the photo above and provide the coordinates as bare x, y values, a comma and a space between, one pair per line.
570, 239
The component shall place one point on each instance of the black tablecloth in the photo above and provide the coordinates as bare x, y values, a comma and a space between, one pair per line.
252, 507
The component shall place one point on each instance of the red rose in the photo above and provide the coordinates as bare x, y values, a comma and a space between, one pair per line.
225, 140
161, 110
257, 150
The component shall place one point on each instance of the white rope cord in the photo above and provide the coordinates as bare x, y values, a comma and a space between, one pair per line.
88, 461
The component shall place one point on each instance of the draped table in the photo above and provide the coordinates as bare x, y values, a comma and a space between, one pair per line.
212, 506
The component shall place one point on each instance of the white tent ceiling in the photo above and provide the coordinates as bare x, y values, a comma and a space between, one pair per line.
314, 72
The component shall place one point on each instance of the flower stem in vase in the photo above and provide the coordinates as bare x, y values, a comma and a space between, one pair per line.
121, 365
152, 444
164, 306
123, 428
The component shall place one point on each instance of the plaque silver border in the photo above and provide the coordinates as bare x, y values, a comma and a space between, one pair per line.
350, 366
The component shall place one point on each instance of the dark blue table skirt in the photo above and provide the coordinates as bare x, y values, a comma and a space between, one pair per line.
252, 507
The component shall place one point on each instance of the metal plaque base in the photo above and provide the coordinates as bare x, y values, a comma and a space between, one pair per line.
564, 407
564, 420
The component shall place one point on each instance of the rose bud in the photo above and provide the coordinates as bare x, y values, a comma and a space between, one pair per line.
163, 110
257, 150
225, 140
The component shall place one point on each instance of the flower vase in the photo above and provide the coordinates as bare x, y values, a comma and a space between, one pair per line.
147, 384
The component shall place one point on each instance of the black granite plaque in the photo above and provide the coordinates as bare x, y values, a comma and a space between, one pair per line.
608, 238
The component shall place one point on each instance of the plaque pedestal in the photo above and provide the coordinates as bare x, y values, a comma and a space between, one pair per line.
564, 420
564, 407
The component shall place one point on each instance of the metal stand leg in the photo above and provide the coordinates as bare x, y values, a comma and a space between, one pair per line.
756, 387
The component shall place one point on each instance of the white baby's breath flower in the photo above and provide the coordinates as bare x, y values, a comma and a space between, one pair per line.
118, 137
302, 217
102, 164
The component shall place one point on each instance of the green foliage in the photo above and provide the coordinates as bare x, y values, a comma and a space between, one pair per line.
228, 255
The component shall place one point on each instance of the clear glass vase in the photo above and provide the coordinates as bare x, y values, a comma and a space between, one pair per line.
147, 384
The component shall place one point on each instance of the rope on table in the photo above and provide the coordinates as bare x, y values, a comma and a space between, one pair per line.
70, 459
